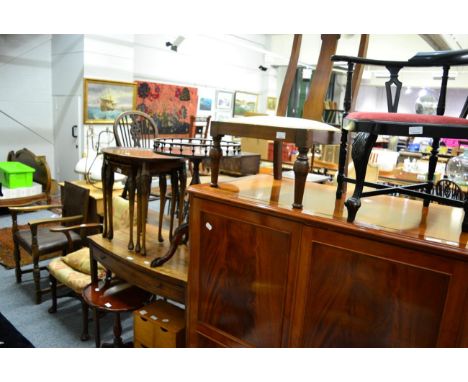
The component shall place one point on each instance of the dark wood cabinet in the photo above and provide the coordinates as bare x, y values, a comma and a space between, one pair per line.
264, 275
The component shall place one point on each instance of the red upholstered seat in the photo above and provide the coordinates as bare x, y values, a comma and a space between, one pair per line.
422, 119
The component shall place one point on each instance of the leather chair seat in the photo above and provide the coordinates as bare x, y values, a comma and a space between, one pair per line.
47, 241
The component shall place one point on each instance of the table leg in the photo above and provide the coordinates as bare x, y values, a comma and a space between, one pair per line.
301, 169
174, 198
182, 186
110, 186
131, 200
278, 160
145, 183
215, 157
362, 147
105, 164
139, 201
196, 171
162, 203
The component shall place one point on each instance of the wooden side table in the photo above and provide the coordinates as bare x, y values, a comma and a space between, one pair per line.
304, 133
140, 165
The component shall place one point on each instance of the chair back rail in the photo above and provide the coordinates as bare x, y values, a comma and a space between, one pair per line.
135, 129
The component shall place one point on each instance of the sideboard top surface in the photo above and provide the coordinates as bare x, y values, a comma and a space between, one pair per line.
387, 218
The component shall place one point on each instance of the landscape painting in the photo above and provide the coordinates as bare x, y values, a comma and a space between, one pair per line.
170, 106
105, 100
245, 102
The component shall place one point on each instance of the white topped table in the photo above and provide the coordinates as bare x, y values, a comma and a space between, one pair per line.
304, 133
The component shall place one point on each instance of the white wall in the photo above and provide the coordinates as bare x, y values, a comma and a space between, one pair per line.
26, 95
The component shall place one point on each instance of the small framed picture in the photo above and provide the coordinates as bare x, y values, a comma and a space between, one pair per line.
224, 100
271, 103
105, 100
245, 102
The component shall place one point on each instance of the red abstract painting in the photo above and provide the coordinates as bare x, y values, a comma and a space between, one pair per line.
170, 105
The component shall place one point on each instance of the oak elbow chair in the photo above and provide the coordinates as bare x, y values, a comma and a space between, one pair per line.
37, 240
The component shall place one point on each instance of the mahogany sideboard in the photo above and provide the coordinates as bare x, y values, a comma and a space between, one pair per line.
263, 274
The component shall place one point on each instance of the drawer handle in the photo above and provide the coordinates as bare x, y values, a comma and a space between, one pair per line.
164, 330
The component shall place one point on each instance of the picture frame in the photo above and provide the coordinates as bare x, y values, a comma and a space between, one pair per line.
104, 100
206, 103
224, 100
245, 103
271, 103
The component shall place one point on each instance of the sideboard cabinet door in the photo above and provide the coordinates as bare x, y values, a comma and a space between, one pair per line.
356, 292
242, 266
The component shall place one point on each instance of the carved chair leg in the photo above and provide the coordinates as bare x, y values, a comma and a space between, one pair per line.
37, 278
342, 163
17, 256
84, 311
53, 289
362, 147
431, 169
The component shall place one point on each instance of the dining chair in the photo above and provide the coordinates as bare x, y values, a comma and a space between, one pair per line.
366, 126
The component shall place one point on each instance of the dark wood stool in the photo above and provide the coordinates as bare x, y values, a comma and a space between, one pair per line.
114, 296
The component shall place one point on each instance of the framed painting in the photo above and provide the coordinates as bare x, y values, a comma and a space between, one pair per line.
105, 100
271, 103
245, 102
205, 103
170, 106
224, 100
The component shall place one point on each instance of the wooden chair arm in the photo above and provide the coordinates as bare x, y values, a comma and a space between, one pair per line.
66, 231
73, 227
68, 219
34, 208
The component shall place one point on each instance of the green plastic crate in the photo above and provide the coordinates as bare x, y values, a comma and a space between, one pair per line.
16, 174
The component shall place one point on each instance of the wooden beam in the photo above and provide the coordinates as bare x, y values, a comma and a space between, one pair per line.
357, 76
313, 106
290, 75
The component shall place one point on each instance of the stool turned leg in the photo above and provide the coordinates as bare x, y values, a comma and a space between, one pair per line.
360, 153
301, 169
215, 157
84, 312
53, 290
431, 169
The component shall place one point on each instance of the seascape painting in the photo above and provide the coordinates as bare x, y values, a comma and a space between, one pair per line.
105, 100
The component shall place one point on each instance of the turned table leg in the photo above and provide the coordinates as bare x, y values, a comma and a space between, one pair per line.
215, 157
131, 200
362, 147
432, 167
301, 169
